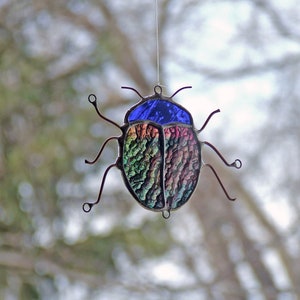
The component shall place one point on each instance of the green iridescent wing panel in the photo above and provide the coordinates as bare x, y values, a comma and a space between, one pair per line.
143, 164
182, 164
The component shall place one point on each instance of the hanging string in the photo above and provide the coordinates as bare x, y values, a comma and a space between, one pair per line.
157, 44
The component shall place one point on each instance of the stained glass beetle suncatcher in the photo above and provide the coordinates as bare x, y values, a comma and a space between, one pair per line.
159, 152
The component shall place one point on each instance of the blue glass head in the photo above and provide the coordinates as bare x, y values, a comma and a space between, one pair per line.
160, 110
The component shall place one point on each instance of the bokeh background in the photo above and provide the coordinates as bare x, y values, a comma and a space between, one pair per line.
242, 56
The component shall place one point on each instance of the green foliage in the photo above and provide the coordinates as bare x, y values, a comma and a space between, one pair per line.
44, 130
28, 291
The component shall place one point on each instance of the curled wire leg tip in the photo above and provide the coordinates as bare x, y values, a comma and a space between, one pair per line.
237, 164
92, 98
87, 207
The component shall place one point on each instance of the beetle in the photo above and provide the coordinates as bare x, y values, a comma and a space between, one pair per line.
159, 152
